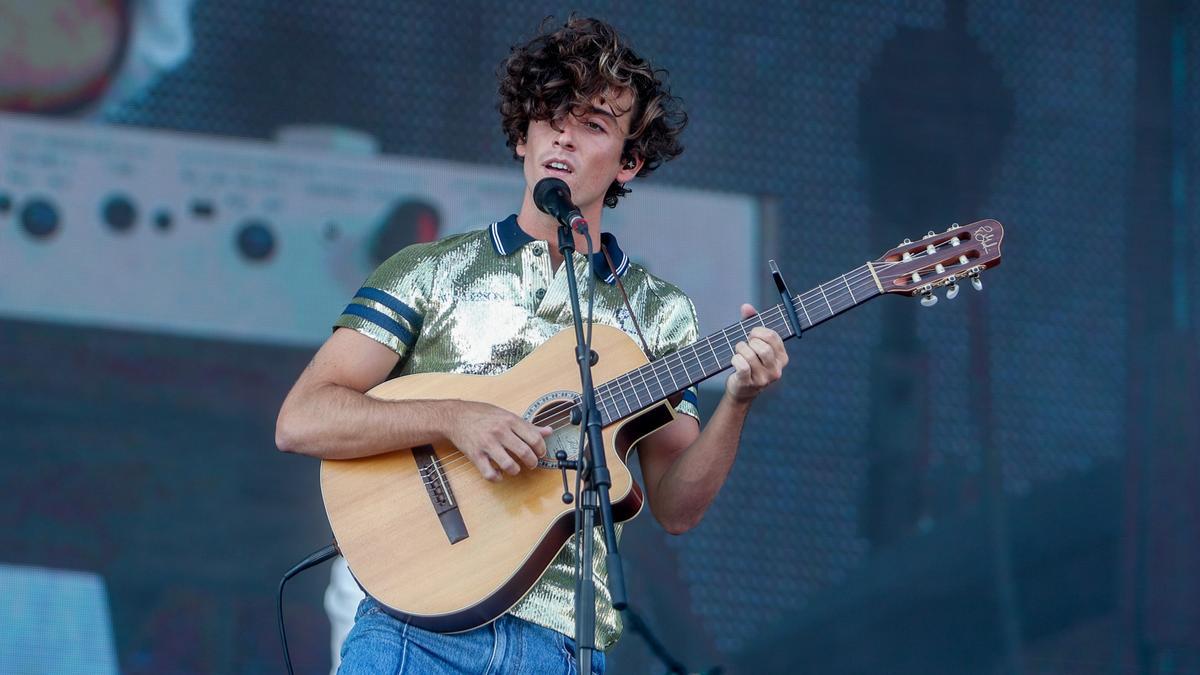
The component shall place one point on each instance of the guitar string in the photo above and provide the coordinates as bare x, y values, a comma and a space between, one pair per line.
859, 276
560, 411
555, 421
456, 463
453, 460
656, 365
776, 316
663, 367
456, 459
658, 370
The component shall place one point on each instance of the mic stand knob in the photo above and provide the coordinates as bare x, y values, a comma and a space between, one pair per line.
563, 465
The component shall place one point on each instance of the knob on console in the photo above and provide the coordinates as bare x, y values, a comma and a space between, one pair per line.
39, 218
119, 213
255, 241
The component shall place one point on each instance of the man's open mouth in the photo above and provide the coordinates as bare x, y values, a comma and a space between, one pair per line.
558, 166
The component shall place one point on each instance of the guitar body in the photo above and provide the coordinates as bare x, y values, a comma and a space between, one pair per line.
385, 517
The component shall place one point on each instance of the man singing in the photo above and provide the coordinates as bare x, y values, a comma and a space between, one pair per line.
578, 104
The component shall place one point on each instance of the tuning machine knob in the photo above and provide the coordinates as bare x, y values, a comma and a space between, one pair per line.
928, 299
976, 282
952, 287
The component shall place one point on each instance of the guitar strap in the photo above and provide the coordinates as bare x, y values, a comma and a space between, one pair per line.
625, 296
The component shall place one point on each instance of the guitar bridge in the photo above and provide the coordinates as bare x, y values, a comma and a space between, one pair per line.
437, 486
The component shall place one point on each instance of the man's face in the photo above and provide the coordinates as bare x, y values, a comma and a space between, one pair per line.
584, 150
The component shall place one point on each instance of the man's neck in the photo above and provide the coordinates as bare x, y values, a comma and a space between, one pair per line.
543, 226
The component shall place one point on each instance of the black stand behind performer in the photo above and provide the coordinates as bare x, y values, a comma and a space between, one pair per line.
554, 197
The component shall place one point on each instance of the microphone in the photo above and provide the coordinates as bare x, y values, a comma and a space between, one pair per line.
553, 197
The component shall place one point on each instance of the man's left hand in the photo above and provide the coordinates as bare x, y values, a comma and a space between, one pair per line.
757, 362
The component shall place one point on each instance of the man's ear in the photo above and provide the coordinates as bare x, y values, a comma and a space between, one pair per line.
519, 148
630, 166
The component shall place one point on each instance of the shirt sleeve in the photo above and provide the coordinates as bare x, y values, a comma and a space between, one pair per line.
678, 328
389, 307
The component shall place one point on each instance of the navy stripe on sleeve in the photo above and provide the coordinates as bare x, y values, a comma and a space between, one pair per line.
382, 320
414, 319
690, 397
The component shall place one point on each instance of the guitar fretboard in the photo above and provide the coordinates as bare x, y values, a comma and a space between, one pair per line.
640, 388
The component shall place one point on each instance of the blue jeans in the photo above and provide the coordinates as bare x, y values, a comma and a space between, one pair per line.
379, 643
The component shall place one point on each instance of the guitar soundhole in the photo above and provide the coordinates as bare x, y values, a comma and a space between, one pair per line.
555, 410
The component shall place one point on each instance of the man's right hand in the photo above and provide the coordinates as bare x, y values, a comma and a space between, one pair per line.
492, 438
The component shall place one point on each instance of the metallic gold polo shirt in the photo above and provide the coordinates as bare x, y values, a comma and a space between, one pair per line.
477, 303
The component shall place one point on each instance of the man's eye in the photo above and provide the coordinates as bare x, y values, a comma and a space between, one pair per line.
596, 126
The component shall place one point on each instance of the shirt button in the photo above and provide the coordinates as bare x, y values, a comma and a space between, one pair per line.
541, 293
537, 251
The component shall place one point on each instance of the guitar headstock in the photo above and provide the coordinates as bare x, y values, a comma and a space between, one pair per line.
960, 253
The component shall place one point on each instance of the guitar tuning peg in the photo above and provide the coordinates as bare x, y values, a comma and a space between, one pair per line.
928, 299
976, 282
952, 291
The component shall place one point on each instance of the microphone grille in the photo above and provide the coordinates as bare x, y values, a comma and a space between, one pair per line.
545, 191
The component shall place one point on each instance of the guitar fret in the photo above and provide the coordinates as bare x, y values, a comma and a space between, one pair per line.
695, 355
678, 362
711, 355
716, 359
636, 391
822, 288
728, 344
650, 379
674, 383
663, 389
647, 382
631, 389
800, 301
849, 289
625, 395
603, 402
653, 380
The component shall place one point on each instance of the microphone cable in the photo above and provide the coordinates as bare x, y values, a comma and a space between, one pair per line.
314, 558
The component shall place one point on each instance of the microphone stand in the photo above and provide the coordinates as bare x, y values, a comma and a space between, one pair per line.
593, 470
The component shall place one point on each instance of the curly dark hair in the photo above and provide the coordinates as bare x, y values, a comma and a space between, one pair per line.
560, 72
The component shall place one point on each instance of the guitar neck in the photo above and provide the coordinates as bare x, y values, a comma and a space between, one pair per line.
642, 387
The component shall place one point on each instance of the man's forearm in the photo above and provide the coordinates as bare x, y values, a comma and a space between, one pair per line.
691, 484
336, 422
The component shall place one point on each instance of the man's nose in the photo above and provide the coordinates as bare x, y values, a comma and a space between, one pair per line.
566, 137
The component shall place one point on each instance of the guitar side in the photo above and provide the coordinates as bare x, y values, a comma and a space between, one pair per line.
386, 521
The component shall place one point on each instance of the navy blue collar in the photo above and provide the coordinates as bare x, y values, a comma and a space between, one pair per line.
508, 238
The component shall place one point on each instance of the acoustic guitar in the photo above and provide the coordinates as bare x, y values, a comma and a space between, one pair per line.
438, 545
